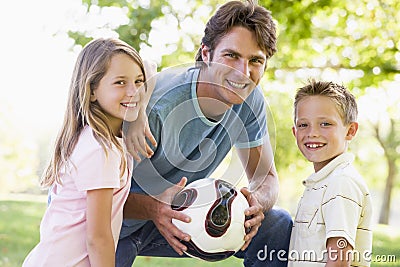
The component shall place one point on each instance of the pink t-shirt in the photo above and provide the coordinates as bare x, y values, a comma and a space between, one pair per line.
63, 227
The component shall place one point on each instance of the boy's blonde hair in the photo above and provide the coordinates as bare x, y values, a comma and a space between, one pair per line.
345, 102
90, 67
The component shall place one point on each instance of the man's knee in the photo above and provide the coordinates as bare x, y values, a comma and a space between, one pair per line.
125, 253
276, 227
278, 216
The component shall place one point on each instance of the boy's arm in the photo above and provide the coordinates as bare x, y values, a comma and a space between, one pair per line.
338, 252
138, 130
99, 239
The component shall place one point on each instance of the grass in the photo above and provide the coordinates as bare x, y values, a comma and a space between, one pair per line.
19, 230
386, 246
19, 233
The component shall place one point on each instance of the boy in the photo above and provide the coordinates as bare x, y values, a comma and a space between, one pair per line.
332, 226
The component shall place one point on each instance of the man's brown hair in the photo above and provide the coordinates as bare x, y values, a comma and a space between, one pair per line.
246, 14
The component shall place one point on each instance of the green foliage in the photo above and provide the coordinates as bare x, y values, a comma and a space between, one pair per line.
280, 128
79, 38
118, 3
140, 18
139, 26
359, 35
137, 30
295, 17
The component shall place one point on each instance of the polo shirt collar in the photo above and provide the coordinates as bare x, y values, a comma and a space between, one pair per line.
345, 158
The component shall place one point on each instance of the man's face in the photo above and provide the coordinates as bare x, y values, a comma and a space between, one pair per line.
235, 66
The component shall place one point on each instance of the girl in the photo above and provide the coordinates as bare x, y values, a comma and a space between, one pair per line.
89, 172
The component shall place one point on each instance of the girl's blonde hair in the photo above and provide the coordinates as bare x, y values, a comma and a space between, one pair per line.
90, 67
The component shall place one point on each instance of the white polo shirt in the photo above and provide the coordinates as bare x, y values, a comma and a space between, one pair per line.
335, 203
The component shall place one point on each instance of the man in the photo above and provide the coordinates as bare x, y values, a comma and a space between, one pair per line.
196, 115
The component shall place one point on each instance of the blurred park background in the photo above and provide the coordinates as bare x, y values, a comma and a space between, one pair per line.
355, 43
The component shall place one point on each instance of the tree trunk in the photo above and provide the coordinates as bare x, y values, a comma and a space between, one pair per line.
385, 208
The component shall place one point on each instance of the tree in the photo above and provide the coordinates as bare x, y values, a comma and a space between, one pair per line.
390, 143
384, 124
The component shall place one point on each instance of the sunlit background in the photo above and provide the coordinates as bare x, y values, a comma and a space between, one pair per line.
356, 43
37, 58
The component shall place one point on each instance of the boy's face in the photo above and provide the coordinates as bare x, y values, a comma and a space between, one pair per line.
235, 67
319, 130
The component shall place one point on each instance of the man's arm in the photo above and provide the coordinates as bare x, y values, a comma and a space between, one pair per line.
140, 206
263, 188
158, 209
259, 165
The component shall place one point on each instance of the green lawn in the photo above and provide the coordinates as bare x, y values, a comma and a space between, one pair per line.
19, 232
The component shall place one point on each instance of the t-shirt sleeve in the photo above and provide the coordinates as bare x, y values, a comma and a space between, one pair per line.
341, 208
255, 124
95, 170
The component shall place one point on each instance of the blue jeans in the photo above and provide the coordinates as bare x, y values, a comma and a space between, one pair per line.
272, 237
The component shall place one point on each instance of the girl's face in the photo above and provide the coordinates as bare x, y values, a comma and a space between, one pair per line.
319, 130
118, 92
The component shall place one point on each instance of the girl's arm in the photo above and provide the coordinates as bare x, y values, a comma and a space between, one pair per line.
99, 240
139, 129
338, 252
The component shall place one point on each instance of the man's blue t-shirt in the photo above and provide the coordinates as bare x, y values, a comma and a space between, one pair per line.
189, 144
